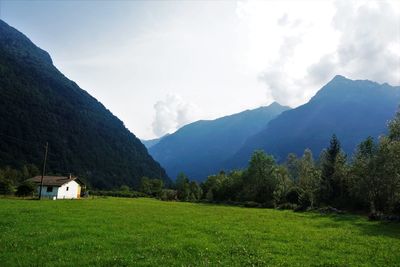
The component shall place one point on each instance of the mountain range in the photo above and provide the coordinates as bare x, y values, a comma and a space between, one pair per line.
201, 148
38, 104
351, 109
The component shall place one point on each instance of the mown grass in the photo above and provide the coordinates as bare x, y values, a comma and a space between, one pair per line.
146, 232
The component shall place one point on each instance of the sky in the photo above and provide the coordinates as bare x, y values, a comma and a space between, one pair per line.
159, 65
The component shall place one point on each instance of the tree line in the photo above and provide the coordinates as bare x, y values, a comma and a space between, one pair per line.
369, 180
13, 181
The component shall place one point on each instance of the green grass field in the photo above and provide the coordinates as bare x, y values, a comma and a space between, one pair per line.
146, 232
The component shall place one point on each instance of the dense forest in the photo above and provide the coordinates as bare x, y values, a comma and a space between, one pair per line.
38, 104
369, 180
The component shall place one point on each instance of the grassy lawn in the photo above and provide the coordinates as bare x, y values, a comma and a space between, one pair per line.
145, 232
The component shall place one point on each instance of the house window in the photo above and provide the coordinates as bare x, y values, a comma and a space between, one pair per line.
67, 188
49, 189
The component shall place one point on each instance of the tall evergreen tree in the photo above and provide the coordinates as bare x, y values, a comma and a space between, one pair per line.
333, 162
182, 187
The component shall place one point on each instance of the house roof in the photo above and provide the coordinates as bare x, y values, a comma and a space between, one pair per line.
54, 180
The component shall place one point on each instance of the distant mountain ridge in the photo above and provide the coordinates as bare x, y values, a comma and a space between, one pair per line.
200, 148
38, 104
353, 110
151, 142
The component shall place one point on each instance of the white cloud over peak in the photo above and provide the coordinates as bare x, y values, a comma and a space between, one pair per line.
171, 113
369, 44
298, 46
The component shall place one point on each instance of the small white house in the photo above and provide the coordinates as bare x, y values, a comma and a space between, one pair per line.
59, 187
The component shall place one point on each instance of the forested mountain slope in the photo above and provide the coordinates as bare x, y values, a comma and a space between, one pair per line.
38, 104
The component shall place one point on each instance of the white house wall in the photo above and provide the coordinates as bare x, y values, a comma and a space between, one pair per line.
72, 192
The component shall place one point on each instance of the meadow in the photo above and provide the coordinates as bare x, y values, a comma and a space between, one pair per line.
148, 232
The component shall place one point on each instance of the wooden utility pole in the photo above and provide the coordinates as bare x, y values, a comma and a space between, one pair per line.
43, 170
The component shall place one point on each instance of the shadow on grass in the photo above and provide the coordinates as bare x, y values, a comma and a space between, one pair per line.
366, 227
232, 204
360, 222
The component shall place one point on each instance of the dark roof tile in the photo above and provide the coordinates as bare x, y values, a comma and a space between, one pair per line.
54, 180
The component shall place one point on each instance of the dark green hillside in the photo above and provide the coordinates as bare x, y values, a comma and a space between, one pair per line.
200, 148
39, 104
351, 109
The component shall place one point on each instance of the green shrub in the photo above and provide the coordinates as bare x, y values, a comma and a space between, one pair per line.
25, 189
6, 187
169, 195
287, 206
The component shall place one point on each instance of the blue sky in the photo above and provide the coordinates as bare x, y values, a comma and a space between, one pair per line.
161, 64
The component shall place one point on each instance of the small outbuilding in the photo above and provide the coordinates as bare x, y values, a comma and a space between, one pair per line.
59, 187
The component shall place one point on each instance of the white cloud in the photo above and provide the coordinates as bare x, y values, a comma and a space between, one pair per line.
172, 113
298, 46
370, 33
287, 37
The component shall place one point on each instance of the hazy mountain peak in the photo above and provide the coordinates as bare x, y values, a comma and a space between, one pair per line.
341, 88
339, 77
151, 142
275, 104
337, 81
